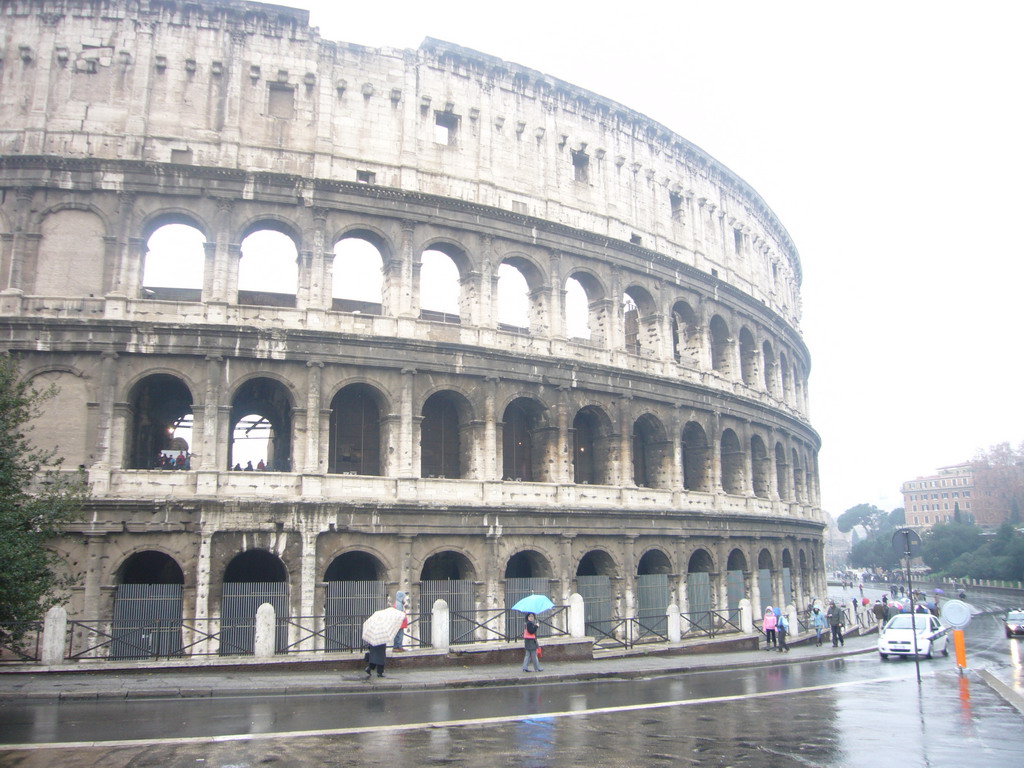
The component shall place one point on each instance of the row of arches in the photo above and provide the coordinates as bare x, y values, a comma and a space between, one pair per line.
705, 455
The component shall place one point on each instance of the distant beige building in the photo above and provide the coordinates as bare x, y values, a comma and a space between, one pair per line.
934, 499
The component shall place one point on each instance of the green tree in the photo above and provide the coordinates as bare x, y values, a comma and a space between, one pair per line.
867, 515
946, 542
36, 501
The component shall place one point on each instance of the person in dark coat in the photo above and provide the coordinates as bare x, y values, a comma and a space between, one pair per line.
375, 658
530, 643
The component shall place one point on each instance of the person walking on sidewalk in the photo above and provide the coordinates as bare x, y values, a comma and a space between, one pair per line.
530, 643
400, 635
836, 620
769, 629
782, 628
818, 619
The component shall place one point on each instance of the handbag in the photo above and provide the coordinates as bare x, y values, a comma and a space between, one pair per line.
540, 652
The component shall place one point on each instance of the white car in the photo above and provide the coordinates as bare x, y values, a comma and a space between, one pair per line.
897, 636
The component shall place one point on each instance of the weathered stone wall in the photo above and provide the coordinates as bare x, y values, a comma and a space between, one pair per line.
119, 117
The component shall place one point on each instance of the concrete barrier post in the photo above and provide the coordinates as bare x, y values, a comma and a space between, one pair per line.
675, 629
794, 620
746, 616
55, 629
266, 635
577, 619
440, 632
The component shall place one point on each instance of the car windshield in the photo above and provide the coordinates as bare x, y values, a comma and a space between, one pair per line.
1015, 616
903, 621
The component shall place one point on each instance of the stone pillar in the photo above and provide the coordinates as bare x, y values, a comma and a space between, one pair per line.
125, 275
562, 467
315, 463
91, 605
440, 630
206, 644
489, 452
321, 286
265, 644
401, 277
755, 593
556, 320
621, 471
212, 456
218, 282
21, 247
55, 628
408, 435
675, 622
405, 576
577, 616
105, 420
308, 580
629, 575
565, 572
746, 617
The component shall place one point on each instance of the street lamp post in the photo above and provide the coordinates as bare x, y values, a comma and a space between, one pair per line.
907, 543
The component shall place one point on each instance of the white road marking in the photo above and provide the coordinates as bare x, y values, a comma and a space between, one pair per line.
437, 724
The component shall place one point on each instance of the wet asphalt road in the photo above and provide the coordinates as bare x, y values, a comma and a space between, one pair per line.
856, 711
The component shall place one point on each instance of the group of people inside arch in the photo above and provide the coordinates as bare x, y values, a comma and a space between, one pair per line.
148, 612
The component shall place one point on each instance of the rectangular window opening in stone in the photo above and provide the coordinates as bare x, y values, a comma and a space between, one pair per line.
580, 165
738, 241
635, 239
366, 177
181, 156
446, 128
281, 101
676, 201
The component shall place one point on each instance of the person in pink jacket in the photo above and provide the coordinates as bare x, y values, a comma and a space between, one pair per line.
770, 622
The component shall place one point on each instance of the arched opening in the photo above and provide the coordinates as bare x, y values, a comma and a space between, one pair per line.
268, 270
513, 297
735, 584
685, 334
787, 578
440, 286
732, 463
641, 324
650, 453
448, 576
442, 453
748, 358
173, 264
784, 376
358, 281
653, 593
699, 594
251, 579
522, 441
799, 489
721, 347
355, 444
160, 435
147, 607
261, 427
356, 587
760, 466
696, 458
782, 474
594, 584
526, 573
589, 449
764, 578
577, 310
769, 369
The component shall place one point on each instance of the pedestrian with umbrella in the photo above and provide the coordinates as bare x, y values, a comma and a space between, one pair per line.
531, 605
379, 630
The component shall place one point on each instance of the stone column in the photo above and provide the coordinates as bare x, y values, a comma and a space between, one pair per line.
308, 579
105, 422
401, 277
408, 436
622, 471
315, 463
565, 571
556, 320
212, 456
321, 286
490, 452
629, 567
202, 608
21, 247
219, 255
125, 275
91, 605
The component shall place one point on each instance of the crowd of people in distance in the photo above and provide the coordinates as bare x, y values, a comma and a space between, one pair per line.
166, 460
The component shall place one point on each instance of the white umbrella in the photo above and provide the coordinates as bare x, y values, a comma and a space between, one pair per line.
382, 626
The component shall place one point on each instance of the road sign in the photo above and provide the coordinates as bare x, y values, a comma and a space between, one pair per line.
906, 541
956, 613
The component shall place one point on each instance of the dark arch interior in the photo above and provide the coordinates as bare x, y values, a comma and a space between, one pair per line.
440, 448
764, 560
268, 399
700, 562
150, 567
737, 562
354, 432
355, 566
654, 561
256, 565
159, 404
445, 566
596, 563
527, 565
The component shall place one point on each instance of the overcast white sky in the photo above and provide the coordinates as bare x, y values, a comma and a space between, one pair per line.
887, 136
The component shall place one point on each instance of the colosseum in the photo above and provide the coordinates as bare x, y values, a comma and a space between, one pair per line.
331, 322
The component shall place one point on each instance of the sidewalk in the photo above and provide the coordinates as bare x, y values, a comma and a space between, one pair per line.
320, 678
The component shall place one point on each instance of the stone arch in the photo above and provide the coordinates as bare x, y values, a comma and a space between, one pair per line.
696, 458
355, 433
525, 441
50, 424
760, 467
653, 561
640, 321
268, 264
161, 421
71, 256
596, 562
255, 565
153, 221
782, 483
770, 369
445, 447
528, 563
591, 433
686, 337
149, 566
519, 298
731, 462
737, 560
652, 457
356, 565
594, 313
721, 346
784, 376
447, 565
174, 258
797, 468
358, 259
443, 292
748, 358
261, 410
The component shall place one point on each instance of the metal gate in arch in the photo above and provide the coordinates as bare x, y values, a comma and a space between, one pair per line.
698, 593
238, 606
787, 585
652, 596
347, 604
458, 593
735, 590
516, 590
764, 587
147, 621
596, 592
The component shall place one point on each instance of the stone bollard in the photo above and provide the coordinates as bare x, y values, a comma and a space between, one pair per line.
266, 632
577, 619
746, 617
794, 620
675, 624
440, 629
55, 628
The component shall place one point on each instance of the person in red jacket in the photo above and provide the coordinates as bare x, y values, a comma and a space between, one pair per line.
531, 645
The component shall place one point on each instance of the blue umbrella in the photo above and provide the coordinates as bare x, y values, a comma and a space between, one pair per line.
534, 604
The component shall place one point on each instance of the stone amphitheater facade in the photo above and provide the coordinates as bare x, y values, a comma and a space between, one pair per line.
668, 439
